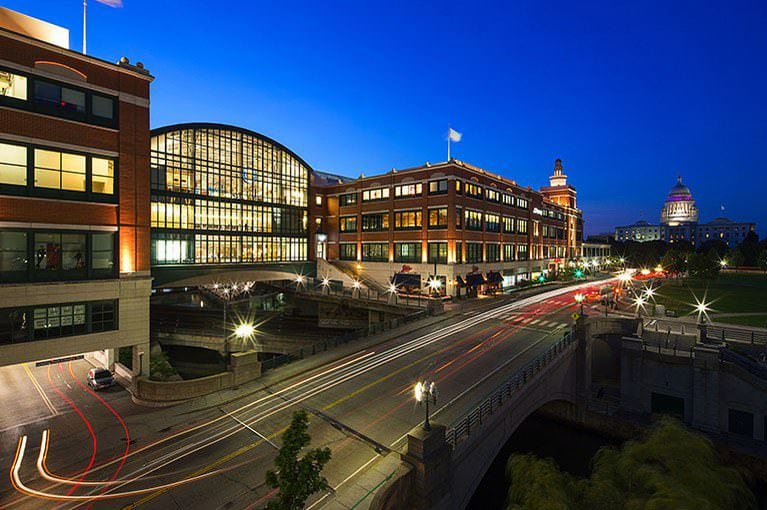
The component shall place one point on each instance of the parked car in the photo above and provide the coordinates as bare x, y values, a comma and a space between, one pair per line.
100, 378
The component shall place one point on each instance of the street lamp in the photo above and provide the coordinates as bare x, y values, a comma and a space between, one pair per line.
579, 298
639, 302
425, 391
723, 263
435, 284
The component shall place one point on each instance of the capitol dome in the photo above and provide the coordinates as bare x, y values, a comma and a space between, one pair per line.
679, 207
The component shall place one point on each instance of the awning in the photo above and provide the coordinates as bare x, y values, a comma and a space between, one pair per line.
407, 279
460, 281
494, 277
475, 279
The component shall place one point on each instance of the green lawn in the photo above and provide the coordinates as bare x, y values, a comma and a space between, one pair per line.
730, 293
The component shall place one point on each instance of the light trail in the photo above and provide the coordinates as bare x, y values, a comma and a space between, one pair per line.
325, 379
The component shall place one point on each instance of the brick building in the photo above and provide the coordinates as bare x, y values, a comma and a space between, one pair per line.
451, 217
74, 195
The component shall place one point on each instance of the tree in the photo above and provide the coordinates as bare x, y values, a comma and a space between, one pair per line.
675, 261
704, 266
297, 479
762, 262
736, 258
750, 249
670, 467
714, 244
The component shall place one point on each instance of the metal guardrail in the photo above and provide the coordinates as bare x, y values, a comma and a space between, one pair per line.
713, 332
472, 421
315, 286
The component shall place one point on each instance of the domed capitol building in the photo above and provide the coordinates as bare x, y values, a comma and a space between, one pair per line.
679, 223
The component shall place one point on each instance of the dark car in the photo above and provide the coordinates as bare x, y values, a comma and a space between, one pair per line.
100, 378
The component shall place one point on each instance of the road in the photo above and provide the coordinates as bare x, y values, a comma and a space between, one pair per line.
361, 407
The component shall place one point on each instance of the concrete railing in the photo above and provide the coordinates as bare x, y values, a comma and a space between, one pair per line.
472, 421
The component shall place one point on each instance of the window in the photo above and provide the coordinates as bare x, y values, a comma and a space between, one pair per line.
521, 226
407, 220
59, 320
59, 252
492, 195
348, 251
103, 107
473, 220
348, 224
103, 175
318, 200
459, 252
458, 188
507, 199
370, 195
437, 253
458, 218
493, 252
492, 223
521, 203
59, 170
522, 252
438, 187
375, 252
407, 252
26, 324
13, 85
438, 218
473, 190
13, 164
103, 257
508, 252
347, 199
508, 225
375, 222
13, 256
103, 316
473, 252
408, 190
63, 98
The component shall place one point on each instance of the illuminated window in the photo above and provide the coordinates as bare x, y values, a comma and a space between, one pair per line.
521, 226
521, 203
408, 190
438, 187
375, 252
473, 220
522, 252
347, 251
458, 187
347, 199
508, 199
407, 220
318, 200
375, 222
13, 164
438, 218
13, 85
348, 224
492, 195
492, 223
437, 253
407, 252
508, 252
473, 190
59, 170
508, 225
103, 175
370, 195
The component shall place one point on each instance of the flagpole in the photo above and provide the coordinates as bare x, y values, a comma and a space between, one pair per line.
85, 25
448, 143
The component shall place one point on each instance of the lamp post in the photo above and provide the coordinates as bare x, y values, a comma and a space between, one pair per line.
425, 391
244, 331
579, 298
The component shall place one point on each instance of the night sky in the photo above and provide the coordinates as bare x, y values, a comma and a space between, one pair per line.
627, 95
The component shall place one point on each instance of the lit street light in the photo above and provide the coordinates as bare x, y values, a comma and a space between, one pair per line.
579, 298
244, 331
425, 391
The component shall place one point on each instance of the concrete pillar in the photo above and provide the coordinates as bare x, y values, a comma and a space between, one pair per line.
705, 389
429, 454
582, 364
631, 375
141, 359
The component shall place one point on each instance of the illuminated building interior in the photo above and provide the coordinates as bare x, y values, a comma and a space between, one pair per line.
224, 195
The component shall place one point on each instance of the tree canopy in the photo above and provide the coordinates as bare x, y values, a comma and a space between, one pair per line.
297, 479
670, 467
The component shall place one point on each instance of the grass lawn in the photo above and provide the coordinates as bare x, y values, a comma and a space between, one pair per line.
758, 321
730, 293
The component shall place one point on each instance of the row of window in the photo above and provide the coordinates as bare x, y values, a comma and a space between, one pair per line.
42, 171
56, 255
437, 219
225, 249
437, 252
438, 187
30, 323
49, 97
203, 214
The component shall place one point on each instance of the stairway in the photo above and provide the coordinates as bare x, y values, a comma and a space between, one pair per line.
350, 270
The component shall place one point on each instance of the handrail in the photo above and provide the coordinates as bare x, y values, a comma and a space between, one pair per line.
315, 286
463, 427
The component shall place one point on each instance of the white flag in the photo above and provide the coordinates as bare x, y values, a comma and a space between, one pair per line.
454, 135
111, 3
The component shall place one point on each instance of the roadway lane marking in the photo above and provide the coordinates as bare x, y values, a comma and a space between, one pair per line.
259, 434
534, 322
40, 390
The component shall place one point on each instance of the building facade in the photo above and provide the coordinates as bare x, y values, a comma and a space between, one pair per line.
450, 219
74, 184
679, 223
226, 196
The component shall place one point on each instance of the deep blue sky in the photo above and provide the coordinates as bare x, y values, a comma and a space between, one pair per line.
627, 95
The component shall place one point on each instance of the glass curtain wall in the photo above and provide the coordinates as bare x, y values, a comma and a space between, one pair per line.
226, 196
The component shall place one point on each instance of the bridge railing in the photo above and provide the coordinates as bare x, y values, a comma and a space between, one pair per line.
713, 331
316, 286
471, 423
